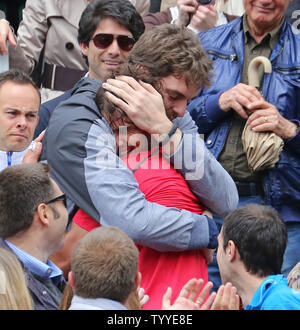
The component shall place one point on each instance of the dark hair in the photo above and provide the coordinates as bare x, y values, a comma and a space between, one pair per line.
260, 236
122, 11
22, 189
18, 77
104, 264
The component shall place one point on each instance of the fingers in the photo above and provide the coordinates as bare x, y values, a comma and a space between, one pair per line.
239, 97
166, 300
33, 154
6, 34
140, 101
208, 255
267, 118
264, 117
204, 293
226, 298
208, 302
143, 298
191, 288
40, 137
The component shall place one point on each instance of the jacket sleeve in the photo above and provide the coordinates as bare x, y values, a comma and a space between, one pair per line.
208, 180
85, 165
206, 112
293, 144
153, 19
31, 37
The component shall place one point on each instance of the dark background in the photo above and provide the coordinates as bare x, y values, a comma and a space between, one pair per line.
13, 11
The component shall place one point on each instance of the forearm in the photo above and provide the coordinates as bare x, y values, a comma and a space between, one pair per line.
97, 181
115, 194
31, 37
206, 177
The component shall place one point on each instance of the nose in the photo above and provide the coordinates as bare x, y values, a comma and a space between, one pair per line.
181, 108
22, 123
114, 48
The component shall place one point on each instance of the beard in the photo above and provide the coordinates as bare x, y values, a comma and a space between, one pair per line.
171, 114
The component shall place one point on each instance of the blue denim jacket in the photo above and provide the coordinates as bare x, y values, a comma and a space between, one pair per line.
225, 45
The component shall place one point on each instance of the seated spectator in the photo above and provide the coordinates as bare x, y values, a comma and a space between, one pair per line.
33, 220
196, 16
135, 301
100, 17
219, 112
19, 105
49, 27
104, 272
14, 294
252, 242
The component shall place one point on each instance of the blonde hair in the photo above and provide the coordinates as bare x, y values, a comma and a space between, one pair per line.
14, 294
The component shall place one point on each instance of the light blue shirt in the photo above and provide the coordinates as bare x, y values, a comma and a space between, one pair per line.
275, 294
35, 266
79, 303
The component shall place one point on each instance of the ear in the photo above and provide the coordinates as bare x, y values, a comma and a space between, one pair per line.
84, 48
137, 281
43, 214
71, 280
142, 68
231, 251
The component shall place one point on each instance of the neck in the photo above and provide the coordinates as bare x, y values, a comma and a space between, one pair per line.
258, 32
246, 286
31, 245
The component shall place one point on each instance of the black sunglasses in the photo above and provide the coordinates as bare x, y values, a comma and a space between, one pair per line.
204, 2
62, 198
104, 40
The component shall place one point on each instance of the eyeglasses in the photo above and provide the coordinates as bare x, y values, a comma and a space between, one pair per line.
104, 40
62, 198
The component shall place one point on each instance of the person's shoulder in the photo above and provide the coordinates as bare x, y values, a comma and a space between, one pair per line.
52, 104
219, 33
279, 295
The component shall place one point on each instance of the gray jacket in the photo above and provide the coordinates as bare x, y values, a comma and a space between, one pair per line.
81, 149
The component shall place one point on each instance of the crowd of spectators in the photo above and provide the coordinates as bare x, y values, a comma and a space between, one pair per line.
124, 178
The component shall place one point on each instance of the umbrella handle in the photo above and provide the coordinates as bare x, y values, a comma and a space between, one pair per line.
253, 69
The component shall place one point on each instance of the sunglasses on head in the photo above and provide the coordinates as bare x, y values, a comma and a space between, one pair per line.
104, 40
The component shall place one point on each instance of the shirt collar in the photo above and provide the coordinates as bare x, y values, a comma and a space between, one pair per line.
96, 303
35, 266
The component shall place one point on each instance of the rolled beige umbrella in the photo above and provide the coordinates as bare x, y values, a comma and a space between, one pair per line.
262, 148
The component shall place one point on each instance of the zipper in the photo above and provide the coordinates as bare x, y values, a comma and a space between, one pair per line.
231, 57
295, 68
